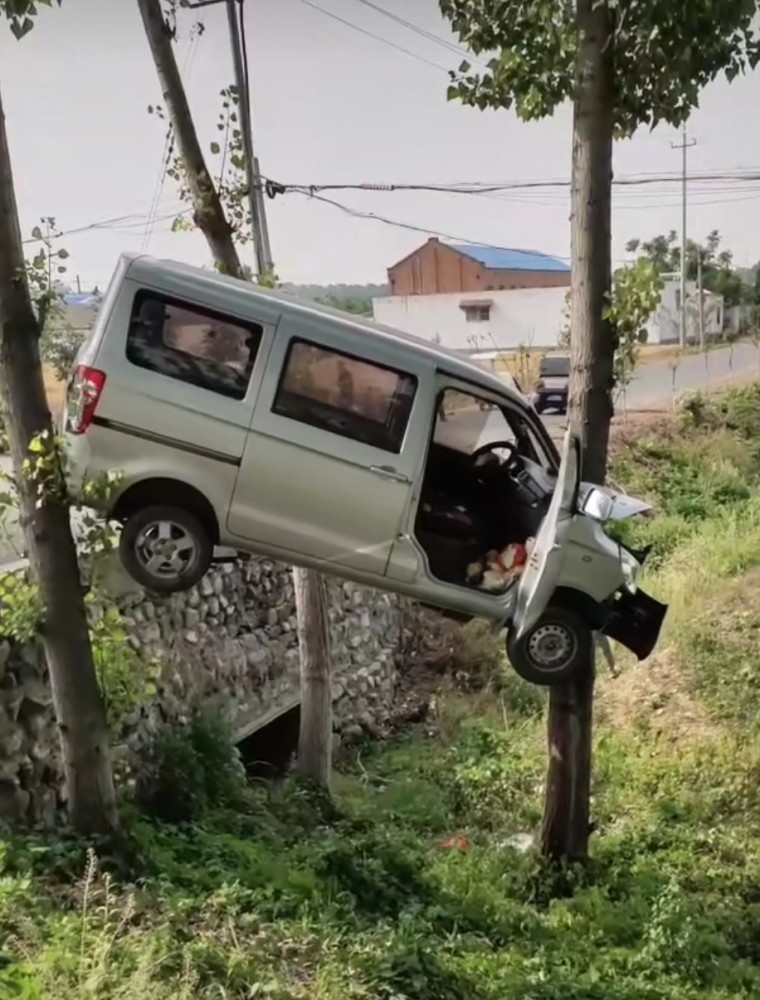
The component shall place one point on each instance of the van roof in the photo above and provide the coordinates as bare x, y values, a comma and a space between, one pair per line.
143, 267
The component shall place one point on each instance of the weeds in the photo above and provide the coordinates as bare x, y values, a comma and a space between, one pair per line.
412, 885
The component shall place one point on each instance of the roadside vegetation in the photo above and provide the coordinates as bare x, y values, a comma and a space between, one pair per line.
414, 882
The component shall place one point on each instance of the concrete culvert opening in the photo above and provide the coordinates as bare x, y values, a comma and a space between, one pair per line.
268, 752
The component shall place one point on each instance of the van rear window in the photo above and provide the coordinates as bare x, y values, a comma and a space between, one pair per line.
200, 348
345, 395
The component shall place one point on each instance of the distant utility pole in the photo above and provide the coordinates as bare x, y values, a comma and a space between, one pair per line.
264, 263
701, 294
684, 145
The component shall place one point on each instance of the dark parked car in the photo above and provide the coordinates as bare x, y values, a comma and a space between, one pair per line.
551, 388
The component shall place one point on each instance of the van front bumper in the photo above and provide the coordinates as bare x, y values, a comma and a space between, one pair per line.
635, 621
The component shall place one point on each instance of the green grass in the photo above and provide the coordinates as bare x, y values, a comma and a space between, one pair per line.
409, 885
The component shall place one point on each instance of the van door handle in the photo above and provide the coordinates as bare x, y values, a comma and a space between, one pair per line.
388, 472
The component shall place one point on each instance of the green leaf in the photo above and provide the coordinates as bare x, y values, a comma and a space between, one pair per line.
36, 233
215, 148
21, 28
63, 253
664, 54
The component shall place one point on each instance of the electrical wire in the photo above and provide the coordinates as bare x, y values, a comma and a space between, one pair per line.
397, 223
481, 187
168, 150
377, 38
422, 32
119, 223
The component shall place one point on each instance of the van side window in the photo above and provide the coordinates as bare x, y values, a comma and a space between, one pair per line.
199, 348
345, 395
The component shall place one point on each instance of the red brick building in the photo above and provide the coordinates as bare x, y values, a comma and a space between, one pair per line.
437, 267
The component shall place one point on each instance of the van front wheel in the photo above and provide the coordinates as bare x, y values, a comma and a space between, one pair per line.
555, 648
165, 549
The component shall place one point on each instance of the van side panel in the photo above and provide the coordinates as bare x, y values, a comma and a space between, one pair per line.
151, 425
321, 495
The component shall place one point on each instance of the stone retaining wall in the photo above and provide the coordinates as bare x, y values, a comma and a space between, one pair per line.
230, 642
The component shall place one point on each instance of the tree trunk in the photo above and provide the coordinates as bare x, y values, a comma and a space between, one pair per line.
76, 695
315, 736
211, 220
565, 828
209, 215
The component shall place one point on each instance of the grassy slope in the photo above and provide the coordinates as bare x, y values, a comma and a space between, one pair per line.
413, 889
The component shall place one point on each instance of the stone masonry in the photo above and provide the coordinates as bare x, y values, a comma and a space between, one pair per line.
228, 643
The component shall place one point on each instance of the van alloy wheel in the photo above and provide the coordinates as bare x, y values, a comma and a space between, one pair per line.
165, 549
558, 645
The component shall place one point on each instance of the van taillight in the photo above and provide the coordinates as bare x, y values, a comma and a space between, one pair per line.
84, 393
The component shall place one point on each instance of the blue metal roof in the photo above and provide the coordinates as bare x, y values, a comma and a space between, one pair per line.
499, 259
85, 299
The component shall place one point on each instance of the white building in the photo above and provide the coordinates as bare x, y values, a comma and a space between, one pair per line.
664, 327
516, 318
479, 321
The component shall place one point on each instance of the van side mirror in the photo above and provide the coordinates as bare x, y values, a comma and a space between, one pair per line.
598, 505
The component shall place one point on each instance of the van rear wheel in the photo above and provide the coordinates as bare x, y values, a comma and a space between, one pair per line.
555, 648
165, 549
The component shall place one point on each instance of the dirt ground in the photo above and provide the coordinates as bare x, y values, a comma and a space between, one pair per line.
55, 390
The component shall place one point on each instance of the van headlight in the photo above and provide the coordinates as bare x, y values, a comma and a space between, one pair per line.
631, 568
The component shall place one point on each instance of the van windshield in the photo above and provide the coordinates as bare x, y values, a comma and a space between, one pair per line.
465, 423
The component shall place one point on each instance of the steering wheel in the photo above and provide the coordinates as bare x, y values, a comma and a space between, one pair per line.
492, 446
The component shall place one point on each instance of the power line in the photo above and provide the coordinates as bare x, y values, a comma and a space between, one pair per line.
429, 35
397, 223
118, 223
425, 230
168, 150
699, 197
482, 187
377, 38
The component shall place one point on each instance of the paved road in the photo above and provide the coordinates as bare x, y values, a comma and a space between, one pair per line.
653, 386
651, 389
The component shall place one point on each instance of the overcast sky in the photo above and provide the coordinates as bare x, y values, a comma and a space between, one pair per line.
331, 105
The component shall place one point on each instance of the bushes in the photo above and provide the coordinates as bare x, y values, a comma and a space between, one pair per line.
695, 469
378, 903
411, 886
188, 770
59, 346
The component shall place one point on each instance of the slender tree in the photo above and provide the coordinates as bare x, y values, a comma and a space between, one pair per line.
315, 741
45, 515
622, 65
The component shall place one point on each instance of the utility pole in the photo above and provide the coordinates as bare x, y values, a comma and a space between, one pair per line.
264, 263
701, 294
684, 145
253, 177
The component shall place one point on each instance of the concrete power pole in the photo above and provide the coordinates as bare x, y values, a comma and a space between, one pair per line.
264, 263
701, 294
684, 145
